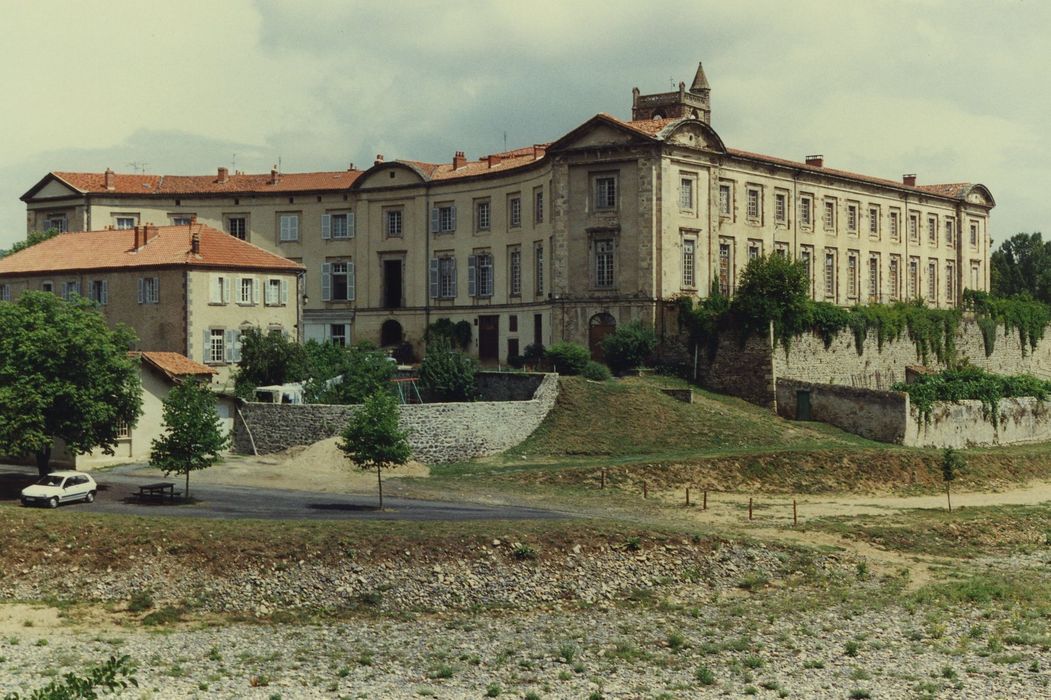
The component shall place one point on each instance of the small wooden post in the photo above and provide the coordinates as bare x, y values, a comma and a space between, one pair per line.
704, 505
749, 507
603, 473
795, 515
687, 495
645, 490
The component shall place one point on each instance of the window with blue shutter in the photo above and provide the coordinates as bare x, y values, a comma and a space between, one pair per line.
472, 275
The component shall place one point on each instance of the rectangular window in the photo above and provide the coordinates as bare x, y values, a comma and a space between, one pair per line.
337, 226
337, 334
57, 222
289, 227
725, 268
725, 199
514, 272
342, 280
932, 280
755, 249
538, 268
830, 273
874, 222
276, 292
482, 215
895, 226
689, 263
806, 211
72, 289
780, 208
974, 234
538, 328
874, 278
914, 278
604, 263
976, 275
217, 345
149, 290
605, 192
852, 218
932, 230
182, 219
895, 278
514, 211
914, 228
830, 215
781, 250
480, 275
852, 275
47, 287
686, 193
124, 222
950, 282
237, 226
806, 256
247, 295
443, 277
99, 292
392, 223
538, 205
950, 231
755, 211
122, 430
443, 218
220, 290
5, 292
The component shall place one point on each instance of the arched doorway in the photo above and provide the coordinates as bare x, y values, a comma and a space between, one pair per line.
390, 333
599, 327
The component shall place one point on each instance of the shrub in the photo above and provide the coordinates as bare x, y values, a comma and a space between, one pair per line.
596, 371
534, 354
365, 371
462, 334
515, 360
705, 676
447, 375
629, 346
568, 358
404, 354
140, 601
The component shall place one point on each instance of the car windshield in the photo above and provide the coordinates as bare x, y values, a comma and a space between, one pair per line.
50, 481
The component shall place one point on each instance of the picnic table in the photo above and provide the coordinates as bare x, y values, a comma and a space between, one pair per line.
158, 491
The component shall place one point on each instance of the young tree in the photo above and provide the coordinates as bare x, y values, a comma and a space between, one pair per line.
447, 374
774, 289
194, 434
372, 439
629, 346
266, 359
952, 463
64, 374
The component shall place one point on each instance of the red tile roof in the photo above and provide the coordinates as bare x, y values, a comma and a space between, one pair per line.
167, 246
174, 364
494, 163
126, 184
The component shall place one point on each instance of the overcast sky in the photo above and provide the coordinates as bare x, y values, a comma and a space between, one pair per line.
951, 90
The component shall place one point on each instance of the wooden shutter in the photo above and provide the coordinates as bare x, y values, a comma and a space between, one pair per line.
142, 297
104, 293
452, 264
350, 280
472, 275
326, 226
434, 219
256, 292
215, 294
284, 292
206, 352
350, 224
434, 278
326, 282
226, 289
228, 345
452, 217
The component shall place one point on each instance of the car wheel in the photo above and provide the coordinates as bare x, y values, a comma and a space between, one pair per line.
90, 497
25, 503
52, 502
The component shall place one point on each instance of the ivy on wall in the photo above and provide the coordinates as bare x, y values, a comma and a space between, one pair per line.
1025, 315
973, 384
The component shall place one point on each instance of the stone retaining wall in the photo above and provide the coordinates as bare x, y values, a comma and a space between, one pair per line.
440, 432
870, 413
964, 424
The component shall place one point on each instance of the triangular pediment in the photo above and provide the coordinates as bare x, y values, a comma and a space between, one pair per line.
50, 187
600, 131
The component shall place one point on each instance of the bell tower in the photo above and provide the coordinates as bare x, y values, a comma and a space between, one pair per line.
694, 103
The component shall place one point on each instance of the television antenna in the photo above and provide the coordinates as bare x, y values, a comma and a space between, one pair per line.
138, 166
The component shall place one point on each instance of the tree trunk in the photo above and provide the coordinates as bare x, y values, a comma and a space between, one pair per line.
186, 493
42, 458
379, 480
947, 496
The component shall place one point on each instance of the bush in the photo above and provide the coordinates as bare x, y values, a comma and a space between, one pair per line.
596, 371
534, 354
568, 358
266, 359
447, 375
516, 361
365, 371
629, 346
403, 354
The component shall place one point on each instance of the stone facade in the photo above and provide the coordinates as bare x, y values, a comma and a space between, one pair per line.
440, 432
873, 414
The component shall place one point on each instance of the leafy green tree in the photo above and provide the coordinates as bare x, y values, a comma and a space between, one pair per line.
1022, 266
372, 439
568, 358
32, 239
447, 374
64, 374
773, 289
193, 437
113, 676
952, 464
629, 346
364, 370
266, 359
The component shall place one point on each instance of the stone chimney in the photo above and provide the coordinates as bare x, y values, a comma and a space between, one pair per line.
149, 232
459, 160
138, 238
379, 159
538, 151
275, 176
108, 177
224, 175
494, 160
195, 243
909, 179
817, 161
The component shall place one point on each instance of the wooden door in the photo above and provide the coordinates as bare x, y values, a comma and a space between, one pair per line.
489, 339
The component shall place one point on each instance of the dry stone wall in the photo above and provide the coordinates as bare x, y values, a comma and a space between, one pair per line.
873, 414
440, 432
965, 424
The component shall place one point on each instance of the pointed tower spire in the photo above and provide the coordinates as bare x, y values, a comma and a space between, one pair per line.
700, 80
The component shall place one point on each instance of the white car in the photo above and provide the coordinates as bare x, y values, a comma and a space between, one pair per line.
60, 487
